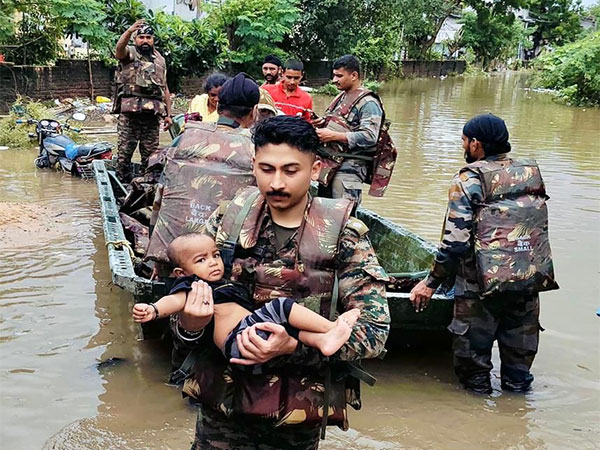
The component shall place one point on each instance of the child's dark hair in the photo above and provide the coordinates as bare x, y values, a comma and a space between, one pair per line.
294, 131
294, 64
172, 254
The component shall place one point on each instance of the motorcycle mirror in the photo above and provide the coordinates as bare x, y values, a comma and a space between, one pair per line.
80, 117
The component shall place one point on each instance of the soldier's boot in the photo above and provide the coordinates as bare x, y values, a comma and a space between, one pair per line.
516, 380
476, 382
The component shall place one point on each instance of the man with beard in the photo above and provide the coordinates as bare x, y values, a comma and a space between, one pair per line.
271, 70
279, 240
495, 248
142, 97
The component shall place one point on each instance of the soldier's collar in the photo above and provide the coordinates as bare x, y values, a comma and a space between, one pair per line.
228, 122
497, 157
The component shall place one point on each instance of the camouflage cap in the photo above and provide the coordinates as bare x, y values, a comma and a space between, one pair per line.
266, 102
145, 29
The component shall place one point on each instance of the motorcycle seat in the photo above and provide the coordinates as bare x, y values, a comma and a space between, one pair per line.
89, 149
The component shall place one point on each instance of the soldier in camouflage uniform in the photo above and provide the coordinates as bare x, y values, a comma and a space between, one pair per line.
480, 317
225, 155
364, 120
142, 97
281, 234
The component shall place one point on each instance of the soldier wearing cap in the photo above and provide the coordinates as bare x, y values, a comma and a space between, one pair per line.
495, 250
142, 97
228, 139
280, 241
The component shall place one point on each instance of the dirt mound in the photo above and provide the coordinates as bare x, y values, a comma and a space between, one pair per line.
22, 223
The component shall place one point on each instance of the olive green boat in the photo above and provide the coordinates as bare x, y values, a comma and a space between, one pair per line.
403, 254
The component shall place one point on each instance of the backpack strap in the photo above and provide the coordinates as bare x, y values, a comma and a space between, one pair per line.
228, 246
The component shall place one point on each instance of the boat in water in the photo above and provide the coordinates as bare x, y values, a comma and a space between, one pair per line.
405, 256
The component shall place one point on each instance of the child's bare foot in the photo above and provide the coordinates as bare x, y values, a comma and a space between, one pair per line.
350, 317
333, 340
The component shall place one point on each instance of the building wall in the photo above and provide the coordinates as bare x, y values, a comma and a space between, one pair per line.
177, 7
68, 78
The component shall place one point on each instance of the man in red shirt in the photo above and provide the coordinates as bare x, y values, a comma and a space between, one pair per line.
288, 97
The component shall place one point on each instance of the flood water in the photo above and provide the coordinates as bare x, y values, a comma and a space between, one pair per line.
60, 315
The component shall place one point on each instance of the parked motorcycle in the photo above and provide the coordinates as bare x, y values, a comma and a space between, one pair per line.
56, 149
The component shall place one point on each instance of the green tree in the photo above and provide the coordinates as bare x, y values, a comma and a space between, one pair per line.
253, 27
573, 70
325, 29
189, 48
121, 14
420, 22
556, 21
30, 31
593, 11
493, 36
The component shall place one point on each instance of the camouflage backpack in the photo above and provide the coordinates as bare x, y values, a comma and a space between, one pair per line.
208, 166
512, 248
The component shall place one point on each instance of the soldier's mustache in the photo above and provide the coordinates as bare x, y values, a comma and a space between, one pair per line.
277, 194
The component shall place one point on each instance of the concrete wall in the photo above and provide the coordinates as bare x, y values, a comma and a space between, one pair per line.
70, 78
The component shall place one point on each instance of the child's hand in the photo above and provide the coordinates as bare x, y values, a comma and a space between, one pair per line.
142, 312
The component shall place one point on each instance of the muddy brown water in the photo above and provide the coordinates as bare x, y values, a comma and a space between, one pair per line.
60, 315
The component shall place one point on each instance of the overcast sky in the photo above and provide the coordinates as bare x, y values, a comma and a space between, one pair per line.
588, 2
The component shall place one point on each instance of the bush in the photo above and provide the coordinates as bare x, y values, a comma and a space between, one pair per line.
15, 135
573, 70
327, 89
373, 85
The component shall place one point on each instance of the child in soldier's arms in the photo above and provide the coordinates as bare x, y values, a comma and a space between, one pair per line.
196, 257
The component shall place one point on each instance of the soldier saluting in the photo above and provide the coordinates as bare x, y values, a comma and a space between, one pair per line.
142, 96
495, 244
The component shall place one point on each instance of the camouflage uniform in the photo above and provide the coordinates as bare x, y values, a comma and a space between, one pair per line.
210, 164
213, 432
134, 128
141, 84
511, 318
361, 284
365, 120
